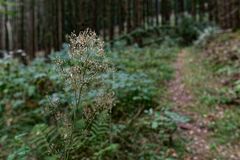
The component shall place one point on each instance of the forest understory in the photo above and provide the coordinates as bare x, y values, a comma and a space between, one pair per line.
172, 103
193, 76
165, 87
205, 89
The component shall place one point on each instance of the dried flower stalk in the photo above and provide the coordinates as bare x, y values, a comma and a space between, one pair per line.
82, 74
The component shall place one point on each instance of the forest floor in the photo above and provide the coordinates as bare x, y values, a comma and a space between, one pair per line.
186, 91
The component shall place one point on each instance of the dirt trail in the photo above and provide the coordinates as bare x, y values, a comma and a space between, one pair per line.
195, 131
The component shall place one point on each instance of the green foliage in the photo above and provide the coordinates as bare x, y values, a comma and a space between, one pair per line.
21, 150
164, 125
84, 122
189, 29
146, 36
222, 54
175, 117
227, 129
43, 129
5, 3
206, 35
237, 86
138, 77
132, 91
151, 61
41, 138
139, 84
25, 84
22, 90
49, 140
142, 139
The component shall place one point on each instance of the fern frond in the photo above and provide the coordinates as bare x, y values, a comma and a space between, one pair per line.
100, 126
41, 139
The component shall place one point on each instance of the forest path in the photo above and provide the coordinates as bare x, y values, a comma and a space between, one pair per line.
196, 131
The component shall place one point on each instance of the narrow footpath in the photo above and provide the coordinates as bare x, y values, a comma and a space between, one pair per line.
195, 131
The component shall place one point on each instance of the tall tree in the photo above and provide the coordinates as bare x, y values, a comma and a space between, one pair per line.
237, 18
22, 13
112, 24
193, 9
104, 19
157, 4
166, 12
123, 8
181, 6
6, 26
95, 15
129, 16
137, 11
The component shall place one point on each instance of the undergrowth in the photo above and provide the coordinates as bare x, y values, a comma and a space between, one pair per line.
212, 75
48, 115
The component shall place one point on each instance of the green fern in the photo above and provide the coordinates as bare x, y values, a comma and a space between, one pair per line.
100, 125
42, 140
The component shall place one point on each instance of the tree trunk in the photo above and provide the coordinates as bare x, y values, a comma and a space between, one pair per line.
111, 29
166, 14
129, 17
157, 11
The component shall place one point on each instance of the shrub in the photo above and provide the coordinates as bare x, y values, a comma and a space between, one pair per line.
132, 92
85, 121
189, 29
44, 129
24, 86
76, 121
206, 35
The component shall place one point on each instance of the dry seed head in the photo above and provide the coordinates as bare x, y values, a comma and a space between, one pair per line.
86, 41
84, 72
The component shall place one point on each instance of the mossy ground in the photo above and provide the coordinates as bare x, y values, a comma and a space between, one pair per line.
214, 130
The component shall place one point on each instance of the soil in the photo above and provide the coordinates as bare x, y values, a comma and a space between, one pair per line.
196, 131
